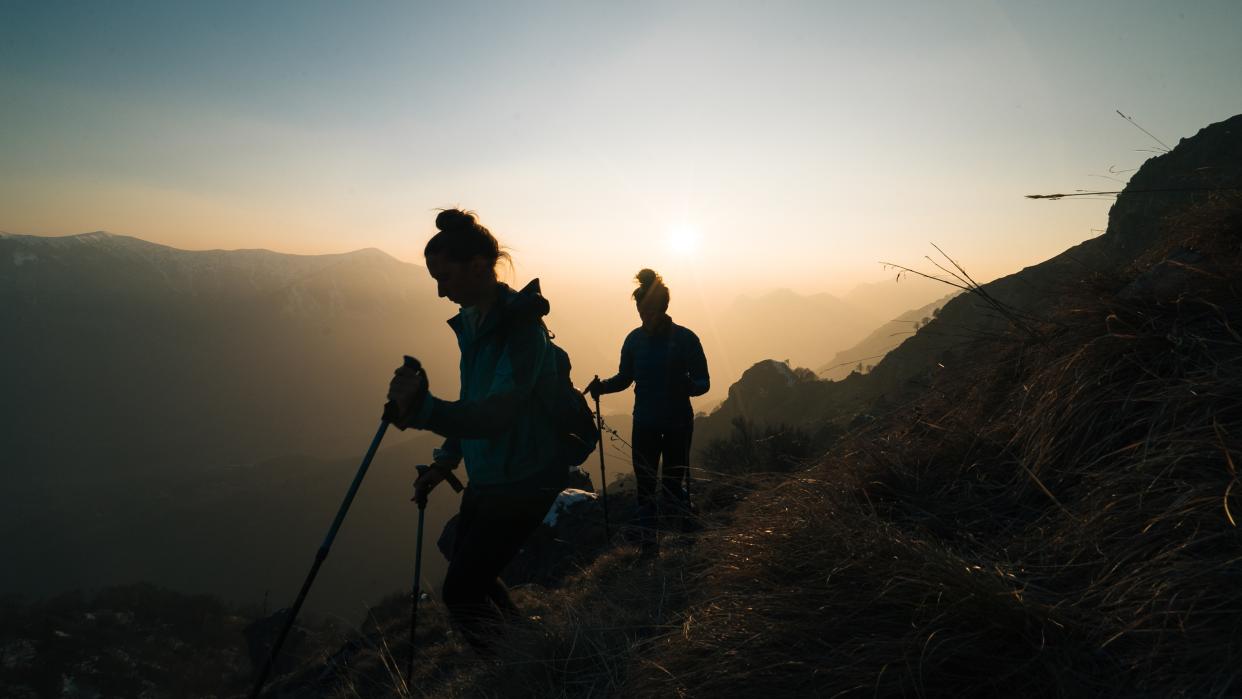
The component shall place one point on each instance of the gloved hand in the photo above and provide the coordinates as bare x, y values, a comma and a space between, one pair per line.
428, 480
406, 393
595, 388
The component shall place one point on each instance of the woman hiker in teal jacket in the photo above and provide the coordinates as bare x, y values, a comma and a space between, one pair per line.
665, 363
497, 426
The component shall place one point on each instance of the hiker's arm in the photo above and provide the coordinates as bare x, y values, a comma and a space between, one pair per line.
625, 373
516, 374
448, 453
698, 381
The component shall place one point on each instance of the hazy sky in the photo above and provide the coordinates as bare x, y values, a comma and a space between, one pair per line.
797, 143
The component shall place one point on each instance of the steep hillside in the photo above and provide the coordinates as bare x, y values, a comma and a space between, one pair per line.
1052, 513
1053, 510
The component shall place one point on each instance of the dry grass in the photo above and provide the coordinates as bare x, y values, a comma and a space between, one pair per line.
1058, 518
1053, 517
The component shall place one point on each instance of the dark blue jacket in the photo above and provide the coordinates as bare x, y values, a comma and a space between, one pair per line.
667, 367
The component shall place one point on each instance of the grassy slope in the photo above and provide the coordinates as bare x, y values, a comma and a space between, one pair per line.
1052, 517
1052, 513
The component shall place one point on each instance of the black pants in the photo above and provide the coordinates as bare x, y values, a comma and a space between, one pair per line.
492, 527
652, 443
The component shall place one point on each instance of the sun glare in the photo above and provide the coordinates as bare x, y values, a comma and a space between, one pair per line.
683, 240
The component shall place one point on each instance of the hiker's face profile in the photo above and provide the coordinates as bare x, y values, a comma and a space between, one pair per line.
463, 283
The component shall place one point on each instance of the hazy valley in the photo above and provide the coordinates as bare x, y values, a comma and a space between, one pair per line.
193, 418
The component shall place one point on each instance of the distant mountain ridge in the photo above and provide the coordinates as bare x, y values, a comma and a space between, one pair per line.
228, 273
233, 354
155, 401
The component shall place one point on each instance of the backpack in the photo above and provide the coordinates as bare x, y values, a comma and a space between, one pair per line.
575, 423
576, 430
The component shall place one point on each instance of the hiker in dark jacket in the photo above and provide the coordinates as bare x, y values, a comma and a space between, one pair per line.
665, 363
497, 426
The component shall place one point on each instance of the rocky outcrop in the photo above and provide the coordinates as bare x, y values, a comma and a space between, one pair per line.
1207, 163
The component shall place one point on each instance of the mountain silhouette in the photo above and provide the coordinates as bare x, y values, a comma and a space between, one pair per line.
192, 418
131, 355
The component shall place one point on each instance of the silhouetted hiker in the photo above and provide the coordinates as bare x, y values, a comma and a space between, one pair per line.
665, 363
498, 426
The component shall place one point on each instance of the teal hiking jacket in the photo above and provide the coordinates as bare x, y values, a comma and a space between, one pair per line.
500, 425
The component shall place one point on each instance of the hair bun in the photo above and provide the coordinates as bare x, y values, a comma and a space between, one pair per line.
455, 220
651, 289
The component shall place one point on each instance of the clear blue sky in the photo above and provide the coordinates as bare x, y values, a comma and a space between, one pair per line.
751, 144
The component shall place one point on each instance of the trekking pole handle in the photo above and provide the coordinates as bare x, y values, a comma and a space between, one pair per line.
588, 387
390, 408
448, 476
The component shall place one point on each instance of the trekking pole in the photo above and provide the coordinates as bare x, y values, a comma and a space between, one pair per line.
603, 475
418, 567
322, 553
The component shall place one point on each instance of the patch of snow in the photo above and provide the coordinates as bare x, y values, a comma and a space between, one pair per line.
567, 499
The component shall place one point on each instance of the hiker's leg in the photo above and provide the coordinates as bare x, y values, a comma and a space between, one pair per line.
676, 452
646, 442
516, 518
466, 584
473, 592
677, 508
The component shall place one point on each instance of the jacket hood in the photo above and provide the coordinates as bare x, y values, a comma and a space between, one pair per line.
528, 303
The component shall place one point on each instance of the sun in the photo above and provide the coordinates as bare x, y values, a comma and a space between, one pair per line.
683, 239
